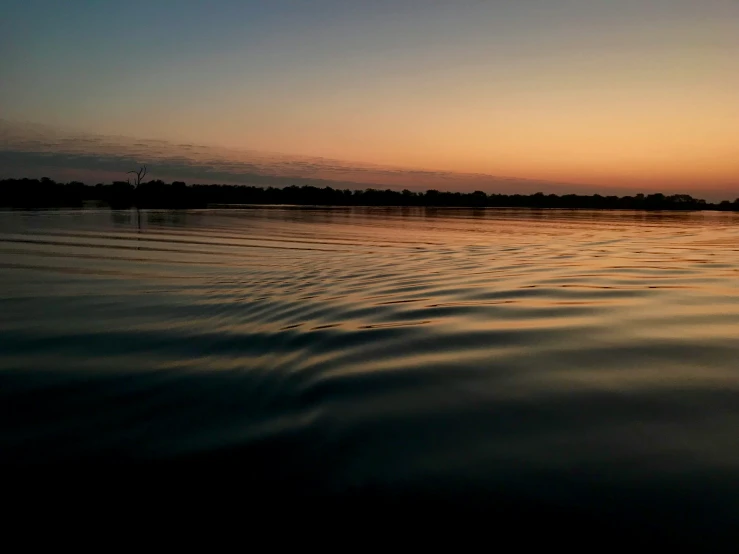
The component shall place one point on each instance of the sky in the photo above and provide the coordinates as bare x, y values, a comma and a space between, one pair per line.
601, 94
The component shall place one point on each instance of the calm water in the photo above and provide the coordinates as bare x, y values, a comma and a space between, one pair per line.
576, 360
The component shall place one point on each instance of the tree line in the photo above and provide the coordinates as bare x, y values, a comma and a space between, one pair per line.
47, 193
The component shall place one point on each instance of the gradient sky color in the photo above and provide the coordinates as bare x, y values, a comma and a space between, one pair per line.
626, 93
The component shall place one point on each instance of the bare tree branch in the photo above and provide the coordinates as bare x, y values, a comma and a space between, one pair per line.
140, 174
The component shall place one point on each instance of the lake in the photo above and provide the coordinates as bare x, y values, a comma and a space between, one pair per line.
565, 361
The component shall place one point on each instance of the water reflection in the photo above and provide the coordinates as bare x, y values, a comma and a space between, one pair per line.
581, 361
121, 217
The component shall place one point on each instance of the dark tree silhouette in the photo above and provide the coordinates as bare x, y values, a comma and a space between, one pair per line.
140, 174
156, 194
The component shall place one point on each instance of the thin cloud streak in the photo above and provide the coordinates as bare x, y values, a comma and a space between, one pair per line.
34, 150
26, 149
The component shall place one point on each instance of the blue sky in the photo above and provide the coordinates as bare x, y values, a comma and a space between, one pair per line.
613, 93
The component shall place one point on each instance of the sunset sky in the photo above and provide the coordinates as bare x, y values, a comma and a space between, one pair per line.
633, 94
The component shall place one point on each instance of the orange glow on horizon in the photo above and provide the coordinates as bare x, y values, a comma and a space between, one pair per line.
631, 95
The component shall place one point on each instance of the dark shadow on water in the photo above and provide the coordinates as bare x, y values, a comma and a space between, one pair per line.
147, 428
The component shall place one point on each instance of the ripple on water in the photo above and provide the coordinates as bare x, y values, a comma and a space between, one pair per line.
567, 357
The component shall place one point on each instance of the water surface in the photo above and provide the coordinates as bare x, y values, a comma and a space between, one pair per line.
571, 359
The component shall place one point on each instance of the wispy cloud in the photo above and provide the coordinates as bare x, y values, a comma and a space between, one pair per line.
37, 150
